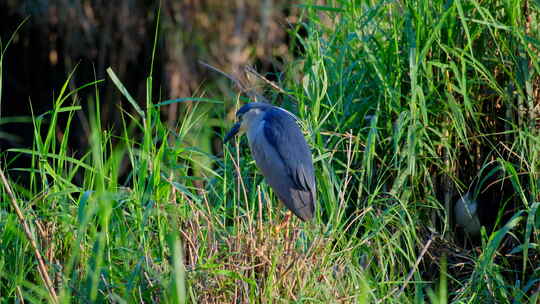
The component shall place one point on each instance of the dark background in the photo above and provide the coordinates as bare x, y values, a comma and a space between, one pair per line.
92, 35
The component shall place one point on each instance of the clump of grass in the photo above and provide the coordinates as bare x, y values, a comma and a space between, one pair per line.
431, 93
402, 102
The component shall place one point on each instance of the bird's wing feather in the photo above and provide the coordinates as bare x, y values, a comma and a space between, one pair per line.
284, 135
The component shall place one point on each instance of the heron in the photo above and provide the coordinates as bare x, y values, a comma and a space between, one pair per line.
466, 214
281, 153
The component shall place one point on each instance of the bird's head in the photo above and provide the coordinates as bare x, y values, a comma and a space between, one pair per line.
245, 117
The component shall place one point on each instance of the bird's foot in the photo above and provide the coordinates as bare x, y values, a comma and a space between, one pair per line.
284, 224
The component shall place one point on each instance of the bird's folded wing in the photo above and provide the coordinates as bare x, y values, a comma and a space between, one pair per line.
283, 134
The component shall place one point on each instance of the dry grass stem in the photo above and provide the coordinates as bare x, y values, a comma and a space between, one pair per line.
42, 267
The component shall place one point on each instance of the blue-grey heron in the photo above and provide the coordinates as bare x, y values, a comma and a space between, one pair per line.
466, 215
281, 153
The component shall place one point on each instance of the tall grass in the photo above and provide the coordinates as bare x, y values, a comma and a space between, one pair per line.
403, 104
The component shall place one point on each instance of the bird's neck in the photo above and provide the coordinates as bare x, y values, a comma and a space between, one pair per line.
257, 126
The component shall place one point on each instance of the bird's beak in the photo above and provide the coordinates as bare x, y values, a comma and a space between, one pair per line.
232, 133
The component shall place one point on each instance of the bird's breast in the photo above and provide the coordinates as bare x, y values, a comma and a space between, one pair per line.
256, 130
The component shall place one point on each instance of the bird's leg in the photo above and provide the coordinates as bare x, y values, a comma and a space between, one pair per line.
284, 223
288, 237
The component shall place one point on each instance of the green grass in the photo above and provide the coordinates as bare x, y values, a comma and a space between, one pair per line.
450, 87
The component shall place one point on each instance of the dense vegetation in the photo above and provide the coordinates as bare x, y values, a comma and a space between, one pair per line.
406, 104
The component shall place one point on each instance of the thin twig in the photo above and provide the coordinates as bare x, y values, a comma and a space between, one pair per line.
42, 268
243, 89
418, 260
411, 273
236, 81
251, 70
19, 294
